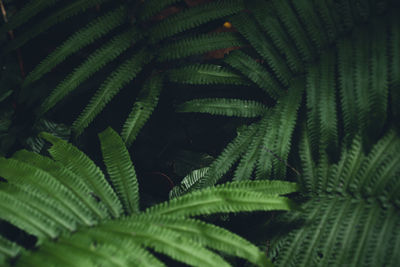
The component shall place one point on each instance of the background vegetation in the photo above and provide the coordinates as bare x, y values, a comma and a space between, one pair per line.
303, 91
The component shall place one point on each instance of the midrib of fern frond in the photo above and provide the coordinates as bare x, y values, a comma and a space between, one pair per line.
120, 170
199, 45
224, 106
205, 74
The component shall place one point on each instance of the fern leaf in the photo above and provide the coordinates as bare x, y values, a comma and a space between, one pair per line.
66, 178
255, 72
358, 226
347, 92
208, 235
78, 40
118, 79
81, 165
293, 27
187, 182
97, 60
26, 217
142, 109
227, 158
205, 74
264, 13
56, 17
193, 17
247, 27
8, 249
198, 45
19, 172
120, 169
208, 201
321, 104
224, 106
248, 161
166, 241
56, 213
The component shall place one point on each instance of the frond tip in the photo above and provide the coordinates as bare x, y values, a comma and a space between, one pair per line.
224, 106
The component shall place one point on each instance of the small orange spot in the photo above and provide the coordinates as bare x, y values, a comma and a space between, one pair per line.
228, 25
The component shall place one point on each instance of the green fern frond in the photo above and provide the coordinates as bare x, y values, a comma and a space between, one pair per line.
193, 17
346, 220
321, 104
227, 158
248, 28
199, 45
255, 72
142, 109
66, 178
126, 72
248, 161
8, 250
80, 164
264, 13
35, 187
94, 63
277, 132
205, 74
224, 106
120, 170
56, 17
187, 182
235, 198
77, 41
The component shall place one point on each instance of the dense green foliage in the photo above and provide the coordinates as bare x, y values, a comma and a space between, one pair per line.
318, 82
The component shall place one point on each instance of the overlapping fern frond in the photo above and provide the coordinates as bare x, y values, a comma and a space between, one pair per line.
335, 60
351, 217
131, 32
81, 219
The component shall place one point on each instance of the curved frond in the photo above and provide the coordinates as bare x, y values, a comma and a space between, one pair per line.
142, 108
8, 249
193, 17
226, 198
224, 106
187, 182
205, 74
56, 17
247, 27
126, 72
97, 60
349, 218
255, 72
78, 40
120, 170
80, 164
198, 45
